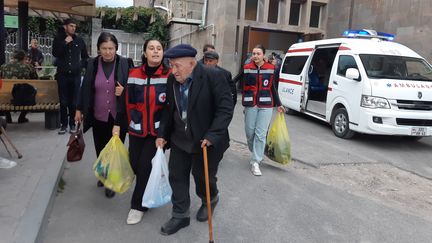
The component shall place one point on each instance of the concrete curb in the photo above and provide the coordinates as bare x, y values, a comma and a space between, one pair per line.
36, 215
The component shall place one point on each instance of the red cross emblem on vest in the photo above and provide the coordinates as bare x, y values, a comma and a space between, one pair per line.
162, 97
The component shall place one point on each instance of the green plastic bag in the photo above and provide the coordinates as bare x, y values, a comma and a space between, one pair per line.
112, 167
278, 146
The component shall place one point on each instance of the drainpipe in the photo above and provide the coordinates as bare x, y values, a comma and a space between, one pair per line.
204, 14
351, 14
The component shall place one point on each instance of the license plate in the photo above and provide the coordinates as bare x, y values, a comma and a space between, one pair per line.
418, 131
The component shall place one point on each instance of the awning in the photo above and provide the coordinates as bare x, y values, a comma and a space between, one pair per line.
76, 7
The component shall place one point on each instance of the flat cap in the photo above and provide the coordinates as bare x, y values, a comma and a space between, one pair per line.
182, 50
211, 55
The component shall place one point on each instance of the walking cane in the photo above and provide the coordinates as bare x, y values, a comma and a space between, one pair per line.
207, 187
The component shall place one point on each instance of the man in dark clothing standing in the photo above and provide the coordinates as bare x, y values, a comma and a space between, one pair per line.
71, 53
198, 111
211, 59
35, 54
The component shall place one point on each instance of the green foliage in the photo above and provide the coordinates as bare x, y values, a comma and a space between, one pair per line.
34, 24
135, 20
158, 29
49, 26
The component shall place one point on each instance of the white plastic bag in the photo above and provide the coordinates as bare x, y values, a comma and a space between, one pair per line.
158, 190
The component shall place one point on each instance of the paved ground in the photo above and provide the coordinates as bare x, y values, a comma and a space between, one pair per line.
287, 204
283, 205
26, 189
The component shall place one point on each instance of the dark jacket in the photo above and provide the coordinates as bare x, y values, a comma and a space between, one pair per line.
87, 92
36, 56
70, 57
210, 109
228, 77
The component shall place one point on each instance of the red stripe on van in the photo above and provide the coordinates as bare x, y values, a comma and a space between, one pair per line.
344, 48
301, 50
290, 81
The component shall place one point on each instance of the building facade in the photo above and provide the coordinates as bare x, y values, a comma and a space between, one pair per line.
235, 27
409, 20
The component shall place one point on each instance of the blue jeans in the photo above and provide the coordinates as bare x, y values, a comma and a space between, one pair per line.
257, 122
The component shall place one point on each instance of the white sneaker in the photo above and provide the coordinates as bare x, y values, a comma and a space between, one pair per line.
255, 169
7, 164
134, 216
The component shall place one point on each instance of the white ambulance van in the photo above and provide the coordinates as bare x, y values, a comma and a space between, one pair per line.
363, 83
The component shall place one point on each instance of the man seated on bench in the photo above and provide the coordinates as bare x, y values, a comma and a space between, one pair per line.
17, 69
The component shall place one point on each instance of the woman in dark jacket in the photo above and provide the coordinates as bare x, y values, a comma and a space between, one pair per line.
145, 99
101, 100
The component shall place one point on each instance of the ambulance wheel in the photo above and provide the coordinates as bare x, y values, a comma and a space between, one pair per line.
340, 124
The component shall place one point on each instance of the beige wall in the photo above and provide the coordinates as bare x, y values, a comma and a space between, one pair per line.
222, 21
409, 20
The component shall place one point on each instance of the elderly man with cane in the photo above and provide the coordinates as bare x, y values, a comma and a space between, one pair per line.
198, 111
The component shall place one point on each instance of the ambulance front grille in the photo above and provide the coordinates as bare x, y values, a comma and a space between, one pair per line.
414, 105
413, 122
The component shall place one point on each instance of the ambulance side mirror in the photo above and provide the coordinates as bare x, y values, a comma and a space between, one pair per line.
353, 73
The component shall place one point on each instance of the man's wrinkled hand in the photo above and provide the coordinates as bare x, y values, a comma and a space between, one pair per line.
206, 142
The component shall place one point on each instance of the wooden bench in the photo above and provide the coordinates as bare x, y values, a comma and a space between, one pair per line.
47, 99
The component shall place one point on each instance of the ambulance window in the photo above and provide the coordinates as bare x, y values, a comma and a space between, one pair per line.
345, 62
294, 64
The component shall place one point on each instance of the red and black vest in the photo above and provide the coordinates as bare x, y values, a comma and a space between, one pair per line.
145, 98
257, 85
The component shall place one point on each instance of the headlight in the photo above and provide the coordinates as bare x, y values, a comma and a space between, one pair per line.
374, 102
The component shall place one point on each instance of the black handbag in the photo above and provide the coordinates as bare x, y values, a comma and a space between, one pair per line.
76, 145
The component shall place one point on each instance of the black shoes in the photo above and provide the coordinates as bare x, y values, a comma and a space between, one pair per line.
108, 192
72, 129
100, 184
202, 214
173, 225
62, 130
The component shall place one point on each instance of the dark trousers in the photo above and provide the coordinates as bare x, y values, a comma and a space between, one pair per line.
180, 165
68, 89
141, 152
102, 133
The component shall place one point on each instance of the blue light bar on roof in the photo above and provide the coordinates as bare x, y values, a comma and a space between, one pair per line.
364, 33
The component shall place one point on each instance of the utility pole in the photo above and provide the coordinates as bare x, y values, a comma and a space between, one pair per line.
2, 34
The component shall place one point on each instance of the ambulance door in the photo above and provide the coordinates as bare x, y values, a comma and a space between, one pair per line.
291, 80
344, 90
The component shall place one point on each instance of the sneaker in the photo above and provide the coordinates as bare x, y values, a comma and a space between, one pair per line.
134, 216
255, 169
7, 164
72, 129
62, 130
